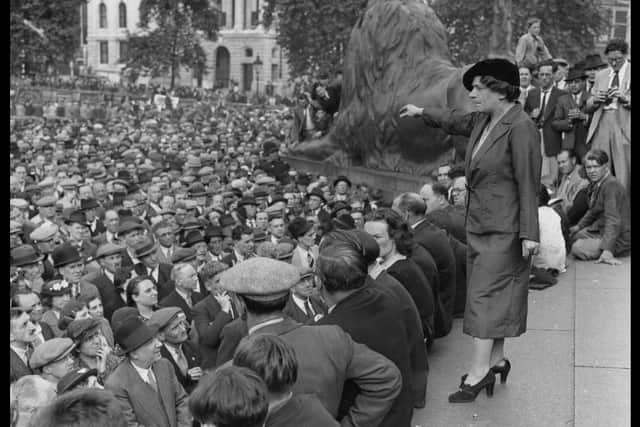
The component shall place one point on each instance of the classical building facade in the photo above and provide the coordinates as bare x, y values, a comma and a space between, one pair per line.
244, 54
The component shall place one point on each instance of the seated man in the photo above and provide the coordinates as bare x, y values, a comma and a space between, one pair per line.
605, 230
572, 179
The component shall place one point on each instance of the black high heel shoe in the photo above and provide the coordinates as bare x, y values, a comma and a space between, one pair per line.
502, 370
468, 393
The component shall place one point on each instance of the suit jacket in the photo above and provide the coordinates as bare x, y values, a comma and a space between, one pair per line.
47, 333
623, 112
576, 137
230, 259
385, 332
450, 219
209, 320
141, 404
609, 215
192, 355
503, 178
164, 283
296, 132
551, 135
100, 228
327, 357
294, 312
175, 300
162, 258
109, 291
17, 367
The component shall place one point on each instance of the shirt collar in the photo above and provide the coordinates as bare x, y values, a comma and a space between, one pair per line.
418, 223
144, 373
300, 301
265, 323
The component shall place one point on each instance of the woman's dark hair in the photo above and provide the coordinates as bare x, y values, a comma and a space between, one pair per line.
133, 288
265, 307
342, 266
230, 397
271, 358
511, 93
397, 228
362, 241
617, 45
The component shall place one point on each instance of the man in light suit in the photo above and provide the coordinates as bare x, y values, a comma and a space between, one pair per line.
610, 102
166, 238
144, 383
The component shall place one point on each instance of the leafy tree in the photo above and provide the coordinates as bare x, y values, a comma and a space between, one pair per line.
315, 33
60, 22
171, 36
569, 27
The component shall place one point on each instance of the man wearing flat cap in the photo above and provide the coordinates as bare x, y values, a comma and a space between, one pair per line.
144, 383
46, 210
110, 278
53, 359
326, 355
173, 332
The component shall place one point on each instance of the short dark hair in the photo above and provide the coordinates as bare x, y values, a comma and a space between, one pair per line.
597, 155
212, 269
133, 288
265, 307
398, 229
362, 241
239, 230
406, 202
440, 189
342, 266
271, 358
532, 21
510, 92
230, 397
617, 44
548, 63
80, 408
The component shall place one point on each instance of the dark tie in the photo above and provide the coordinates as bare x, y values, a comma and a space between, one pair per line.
542, 107
308, 308
616, 81
182, 361
310, 260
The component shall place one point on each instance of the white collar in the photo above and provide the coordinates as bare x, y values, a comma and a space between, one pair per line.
109, 275
238, 256
144, 373
21, 352
392, 260
187, 298
265, 323
418, 223
300, 302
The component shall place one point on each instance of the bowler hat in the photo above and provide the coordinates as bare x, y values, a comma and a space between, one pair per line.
197, 190
298, 227
65, 254
132, 333
226, 221
193, 237
121, 314
318, 193
213, 231
129, 226
260, 192
183, 255
24, 255
338, 206
498, 68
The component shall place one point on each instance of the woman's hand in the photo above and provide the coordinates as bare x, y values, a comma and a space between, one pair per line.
410, 110
529, 247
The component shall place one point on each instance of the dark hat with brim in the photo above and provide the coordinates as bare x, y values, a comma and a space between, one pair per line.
298, 227
193, 237
343, 179
498, 68
121, 314
25, 255
316, 192
132, 333
575, 74
88, 204
144, 247
183, 255
594, 61
77, 217
65, 254
74, 379
79, 329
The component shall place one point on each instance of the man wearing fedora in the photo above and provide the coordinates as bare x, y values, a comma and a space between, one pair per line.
576, 119
71, 266
184, 355
592, 64
77, 228
110, 278
146, 251
315, 205
144, 383
29, 267
327, 356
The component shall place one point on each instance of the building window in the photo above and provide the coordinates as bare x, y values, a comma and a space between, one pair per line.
274, 72
274, 52
619, 24
248, 52
102, 12
122, 15
124, 51
104, 52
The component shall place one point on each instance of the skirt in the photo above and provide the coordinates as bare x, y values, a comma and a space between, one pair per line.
497, 286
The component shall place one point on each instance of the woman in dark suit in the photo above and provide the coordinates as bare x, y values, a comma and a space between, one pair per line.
502, 165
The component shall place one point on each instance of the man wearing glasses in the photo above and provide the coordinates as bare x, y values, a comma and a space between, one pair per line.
610, 103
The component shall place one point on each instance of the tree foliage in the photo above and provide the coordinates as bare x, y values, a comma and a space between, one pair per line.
569, 27
60, 21
171, 36
315, 33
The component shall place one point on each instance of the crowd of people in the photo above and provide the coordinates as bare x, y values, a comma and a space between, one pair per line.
169, 268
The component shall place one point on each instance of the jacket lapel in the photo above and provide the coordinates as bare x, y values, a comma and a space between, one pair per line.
473, 140
142, 391
496, 133
165, 389
551, 102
